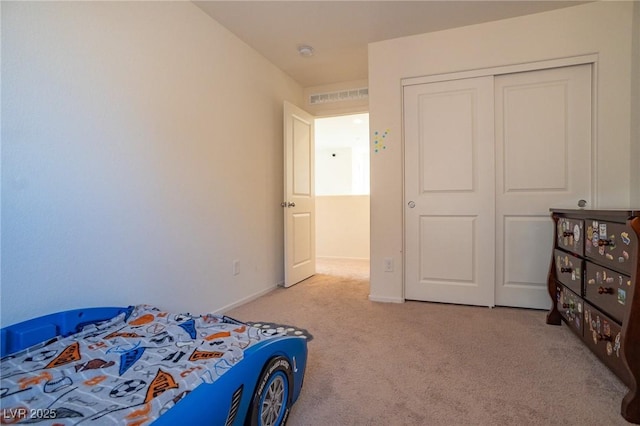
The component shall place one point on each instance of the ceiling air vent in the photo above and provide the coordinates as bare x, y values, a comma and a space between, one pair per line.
339, 96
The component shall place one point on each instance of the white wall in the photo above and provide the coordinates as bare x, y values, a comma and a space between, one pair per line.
342, 226
602, 28
141, 155
333, 171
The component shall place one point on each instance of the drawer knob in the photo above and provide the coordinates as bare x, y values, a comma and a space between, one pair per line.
605, 290
604, 337
566, 269
606, 243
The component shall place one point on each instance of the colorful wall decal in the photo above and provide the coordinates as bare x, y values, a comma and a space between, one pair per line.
379, 139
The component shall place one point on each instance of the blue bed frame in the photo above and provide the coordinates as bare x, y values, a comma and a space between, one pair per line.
31, 332
204, 405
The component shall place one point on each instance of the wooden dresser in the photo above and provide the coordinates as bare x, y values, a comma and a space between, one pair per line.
594, 272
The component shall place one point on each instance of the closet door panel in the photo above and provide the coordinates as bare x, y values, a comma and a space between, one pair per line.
449, 192
543, 160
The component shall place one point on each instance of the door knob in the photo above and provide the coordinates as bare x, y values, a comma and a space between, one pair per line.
283, 204
411, 204
291, 204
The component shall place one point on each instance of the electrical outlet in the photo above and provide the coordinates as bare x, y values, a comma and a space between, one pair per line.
236, 267
388, 264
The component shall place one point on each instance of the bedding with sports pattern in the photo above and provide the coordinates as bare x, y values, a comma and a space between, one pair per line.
130, 369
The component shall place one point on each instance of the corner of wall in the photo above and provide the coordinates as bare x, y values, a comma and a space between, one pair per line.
635, 107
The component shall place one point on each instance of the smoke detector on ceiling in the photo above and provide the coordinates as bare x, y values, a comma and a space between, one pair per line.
305, 50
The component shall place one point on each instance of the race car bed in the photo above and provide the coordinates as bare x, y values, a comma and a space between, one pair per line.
138, 365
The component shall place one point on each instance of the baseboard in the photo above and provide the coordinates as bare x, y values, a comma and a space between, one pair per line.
386, 299
247, 299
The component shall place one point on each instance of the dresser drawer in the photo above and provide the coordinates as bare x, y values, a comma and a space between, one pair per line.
571, 235
611, 244
569, 270
570, 307
603, 336
607, 289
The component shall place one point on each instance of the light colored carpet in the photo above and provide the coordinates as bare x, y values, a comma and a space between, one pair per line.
344, 268
434, 364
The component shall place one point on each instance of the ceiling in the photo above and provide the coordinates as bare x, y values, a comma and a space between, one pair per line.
339, 31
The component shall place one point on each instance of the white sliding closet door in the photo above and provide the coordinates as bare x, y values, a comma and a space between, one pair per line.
543, 147
449, 191
485, 159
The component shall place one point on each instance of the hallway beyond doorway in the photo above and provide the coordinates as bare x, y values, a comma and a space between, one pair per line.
350, 268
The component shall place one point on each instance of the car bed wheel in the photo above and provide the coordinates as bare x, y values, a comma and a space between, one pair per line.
272, 398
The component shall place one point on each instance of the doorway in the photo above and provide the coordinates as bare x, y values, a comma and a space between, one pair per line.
342, 191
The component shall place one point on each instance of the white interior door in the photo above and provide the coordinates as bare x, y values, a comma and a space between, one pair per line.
449, 192
543, 159
299, 203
